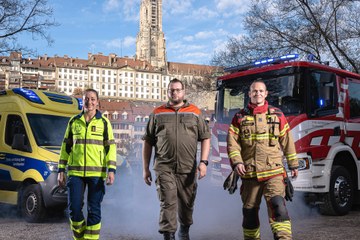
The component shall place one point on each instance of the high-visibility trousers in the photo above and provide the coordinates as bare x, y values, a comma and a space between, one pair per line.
89, 229
273, 191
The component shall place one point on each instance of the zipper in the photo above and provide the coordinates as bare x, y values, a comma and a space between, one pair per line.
177, 138
87, 125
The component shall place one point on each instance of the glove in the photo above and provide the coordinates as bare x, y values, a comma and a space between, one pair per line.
289, 189
230, 182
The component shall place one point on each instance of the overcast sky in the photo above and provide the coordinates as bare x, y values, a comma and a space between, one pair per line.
193, 29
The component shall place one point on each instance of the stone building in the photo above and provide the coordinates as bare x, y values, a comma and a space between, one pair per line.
150, 41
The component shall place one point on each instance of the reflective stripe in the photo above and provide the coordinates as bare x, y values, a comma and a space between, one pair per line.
112, 163
92, 232
259, 137
234, 129
277, 227
291, 157
233, 154
261, 176
286, 127
249, 175
68, 141
87, 168
89, 141
78, 229
109, 142
63, 162
251, 233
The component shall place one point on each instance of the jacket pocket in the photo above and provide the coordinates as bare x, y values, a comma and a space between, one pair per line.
274, 126
246, 135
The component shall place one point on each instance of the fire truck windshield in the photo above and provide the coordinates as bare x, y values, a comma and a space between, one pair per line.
284, 91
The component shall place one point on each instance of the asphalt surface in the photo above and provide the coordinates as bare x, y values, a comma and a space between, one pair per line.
130, 211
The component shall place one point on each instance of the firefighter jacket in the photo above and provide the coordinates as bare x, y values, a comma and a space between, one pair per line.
259, 137
175, 134
88, 149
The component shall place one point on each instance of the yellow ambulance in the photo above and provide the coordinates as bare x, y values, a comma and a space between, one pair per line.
32, 127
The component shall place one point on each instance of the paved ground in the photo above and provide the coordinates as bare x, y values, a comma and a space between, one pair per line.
130, 211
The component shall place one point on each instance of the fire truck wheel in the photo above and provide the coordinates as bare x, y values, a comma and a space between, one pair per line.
32, 205
339, 199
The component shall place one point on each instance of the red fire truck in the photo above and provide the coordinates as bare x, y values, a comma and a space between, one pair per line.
322, 106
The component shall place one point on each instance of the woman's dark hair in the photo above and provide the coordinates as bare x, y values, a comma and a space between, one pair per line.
92, 90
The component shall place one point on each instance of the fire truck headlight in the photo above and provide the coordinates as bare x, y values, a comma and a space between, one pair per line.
304, 163
52, 166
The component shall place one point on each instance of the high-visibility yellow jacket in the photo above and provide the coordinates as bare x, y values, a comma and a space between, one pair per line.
259, 137
88, 149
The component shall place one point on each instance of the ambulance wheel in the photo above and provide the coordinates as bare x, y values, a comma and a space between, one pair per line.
339, 200
32, 204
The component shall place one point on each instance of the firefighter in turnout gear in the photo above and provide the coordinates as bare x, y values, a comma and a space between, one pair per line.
258, 138
89, 155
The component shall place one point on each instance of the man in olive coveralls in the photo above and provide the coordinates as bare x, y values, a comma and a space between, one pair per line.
175, 129
258, 137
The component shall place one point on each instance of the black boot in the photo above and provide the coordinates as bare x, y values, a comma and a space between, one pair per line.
184, 232
169, 236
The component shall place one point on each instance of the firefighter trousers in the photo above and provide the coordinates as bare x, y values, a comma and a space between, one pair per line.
89, 229
273, 191
176, 193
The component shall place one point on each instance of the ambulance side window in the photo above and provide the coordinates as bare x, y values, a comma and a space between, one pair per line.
15, 134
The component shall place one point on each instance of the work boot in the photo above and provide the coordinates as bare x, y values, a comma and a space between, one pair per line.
184, 232
169, 236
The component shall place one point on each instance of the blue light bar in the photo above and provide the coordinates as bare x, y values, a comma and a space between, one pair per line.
80, 103
262, 62
28, 94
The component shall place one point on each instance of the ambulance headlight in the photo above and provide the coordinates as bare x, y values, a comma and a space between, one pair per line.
52, 166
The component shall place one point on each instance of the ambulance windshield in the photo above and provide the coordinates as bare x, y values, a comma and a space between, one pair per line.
48, 130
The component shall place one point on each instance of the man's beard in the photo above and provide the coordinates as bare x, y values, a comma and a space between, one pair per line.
176, 101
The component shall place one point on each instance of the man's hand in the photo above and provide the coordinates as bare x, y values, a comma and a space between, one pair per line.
61, 179
294, 173
147, 176
240, 169
202, 168
110, 178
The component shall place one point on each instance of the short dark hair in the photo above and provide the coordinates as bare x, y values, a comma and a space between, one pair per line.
175, 80
259, 80
92, 90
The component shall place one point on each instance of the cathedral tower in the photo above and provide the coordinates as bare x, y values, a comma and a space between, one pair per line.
150, 41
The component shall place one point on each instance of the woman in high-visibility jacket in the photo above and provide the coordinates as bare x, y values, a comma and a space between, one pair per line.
89, 154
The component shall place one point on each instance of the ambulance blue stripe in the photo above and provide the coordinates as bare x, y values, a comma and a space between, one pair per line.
24, 163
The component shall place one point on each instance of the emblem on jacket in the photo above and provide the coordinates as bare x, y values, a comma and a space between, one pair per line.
77, 128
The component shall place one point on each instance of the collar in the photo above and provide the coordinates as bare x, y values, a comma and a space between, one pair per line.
255, 109
98, 114
186, 104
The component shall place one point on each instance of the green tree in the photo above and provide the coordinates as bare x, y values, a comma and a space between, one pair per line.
329, 30
18, 17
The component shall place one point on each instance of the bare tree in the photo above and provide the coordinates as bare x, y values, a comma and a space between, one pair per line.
18, 17
328, 30
78, 92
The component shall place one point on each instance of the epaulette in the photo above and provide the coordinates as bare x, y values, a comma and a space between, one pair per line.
275, 110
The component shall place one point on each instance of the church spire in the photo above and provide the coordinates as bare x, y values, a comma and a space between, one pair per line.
150, 41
